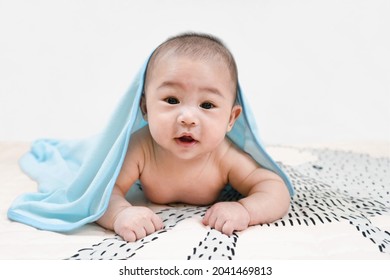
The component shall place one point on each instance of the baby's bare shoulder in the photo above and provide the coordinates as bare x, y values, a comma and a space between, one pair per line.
140, 135
233, 155
244, 172
232, 158
140, 139
138, 147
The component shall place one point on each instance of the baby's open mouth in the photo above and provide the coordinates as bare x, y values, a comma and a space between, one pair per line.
186, 139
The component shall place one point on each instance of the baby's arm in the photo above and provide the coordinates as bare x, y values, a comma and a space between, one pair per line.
266, 197
130, 222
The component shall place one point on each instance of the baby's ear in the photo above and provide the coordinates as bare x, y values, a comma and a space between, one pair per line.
143, 107
236, 112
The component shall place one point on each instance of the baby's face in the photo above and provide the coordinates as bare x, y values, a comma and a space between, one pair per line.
189, 104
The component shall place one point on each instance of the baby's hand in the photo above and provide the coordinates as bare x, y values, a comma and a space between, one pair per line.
134, 223
227, 217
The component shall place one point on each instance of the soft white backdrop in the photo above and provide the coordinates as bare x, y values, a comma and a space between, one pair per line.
314, 71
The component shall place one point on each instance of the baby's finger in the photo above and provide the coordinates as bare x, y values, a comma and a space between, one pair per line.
129, 236
211, 216
157, 223
219, 223
149, 228
212, 219
140, 232
227, 228
206, 217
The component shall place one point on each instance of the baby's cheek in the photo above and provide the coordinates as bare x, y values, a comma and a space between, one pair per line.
218, 131
158, 132
215, 137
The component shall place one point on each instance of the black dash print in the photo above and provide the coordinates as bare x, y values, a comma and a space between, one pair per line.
317, 167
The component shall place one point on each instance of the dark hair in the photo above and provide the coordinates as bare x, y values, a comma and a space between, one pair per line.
196, 45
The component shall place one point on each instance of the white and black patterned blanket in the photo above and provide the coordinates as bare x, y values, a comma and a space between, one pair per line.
341, 197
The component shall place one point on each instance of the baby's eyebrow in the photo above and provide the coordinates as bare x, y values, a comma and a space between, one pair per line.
211, 90
172, 84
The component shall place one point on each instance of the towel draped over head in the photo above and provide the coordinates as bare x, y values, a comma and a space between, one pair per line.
75, 178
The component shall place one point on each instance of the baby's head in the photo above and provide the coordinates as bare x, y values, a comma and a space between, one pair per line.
196, 46
189, 95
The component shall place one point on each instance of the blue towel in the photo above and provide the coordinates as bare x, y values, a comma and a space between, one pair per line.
75, 178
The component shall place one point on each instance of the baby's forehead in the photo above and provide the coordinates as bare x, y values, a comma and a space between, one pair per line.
173, 57
177, 57
176, 60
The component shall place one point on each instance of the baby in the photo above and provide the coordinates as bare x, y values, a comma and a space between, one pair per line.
183, 154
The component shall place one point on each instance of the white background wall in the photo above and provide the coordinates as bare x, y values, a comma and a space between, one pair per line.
315, 71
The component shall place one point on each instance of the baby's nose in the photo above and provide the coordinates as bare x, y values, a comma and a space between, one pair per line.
187, 118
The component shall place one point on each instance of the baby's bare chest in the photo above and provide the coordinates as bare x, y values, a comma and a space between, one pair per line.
165, 185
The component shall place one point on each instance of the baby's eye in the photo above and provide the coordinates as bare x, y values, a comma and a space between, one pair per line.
207, 105
172, 100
